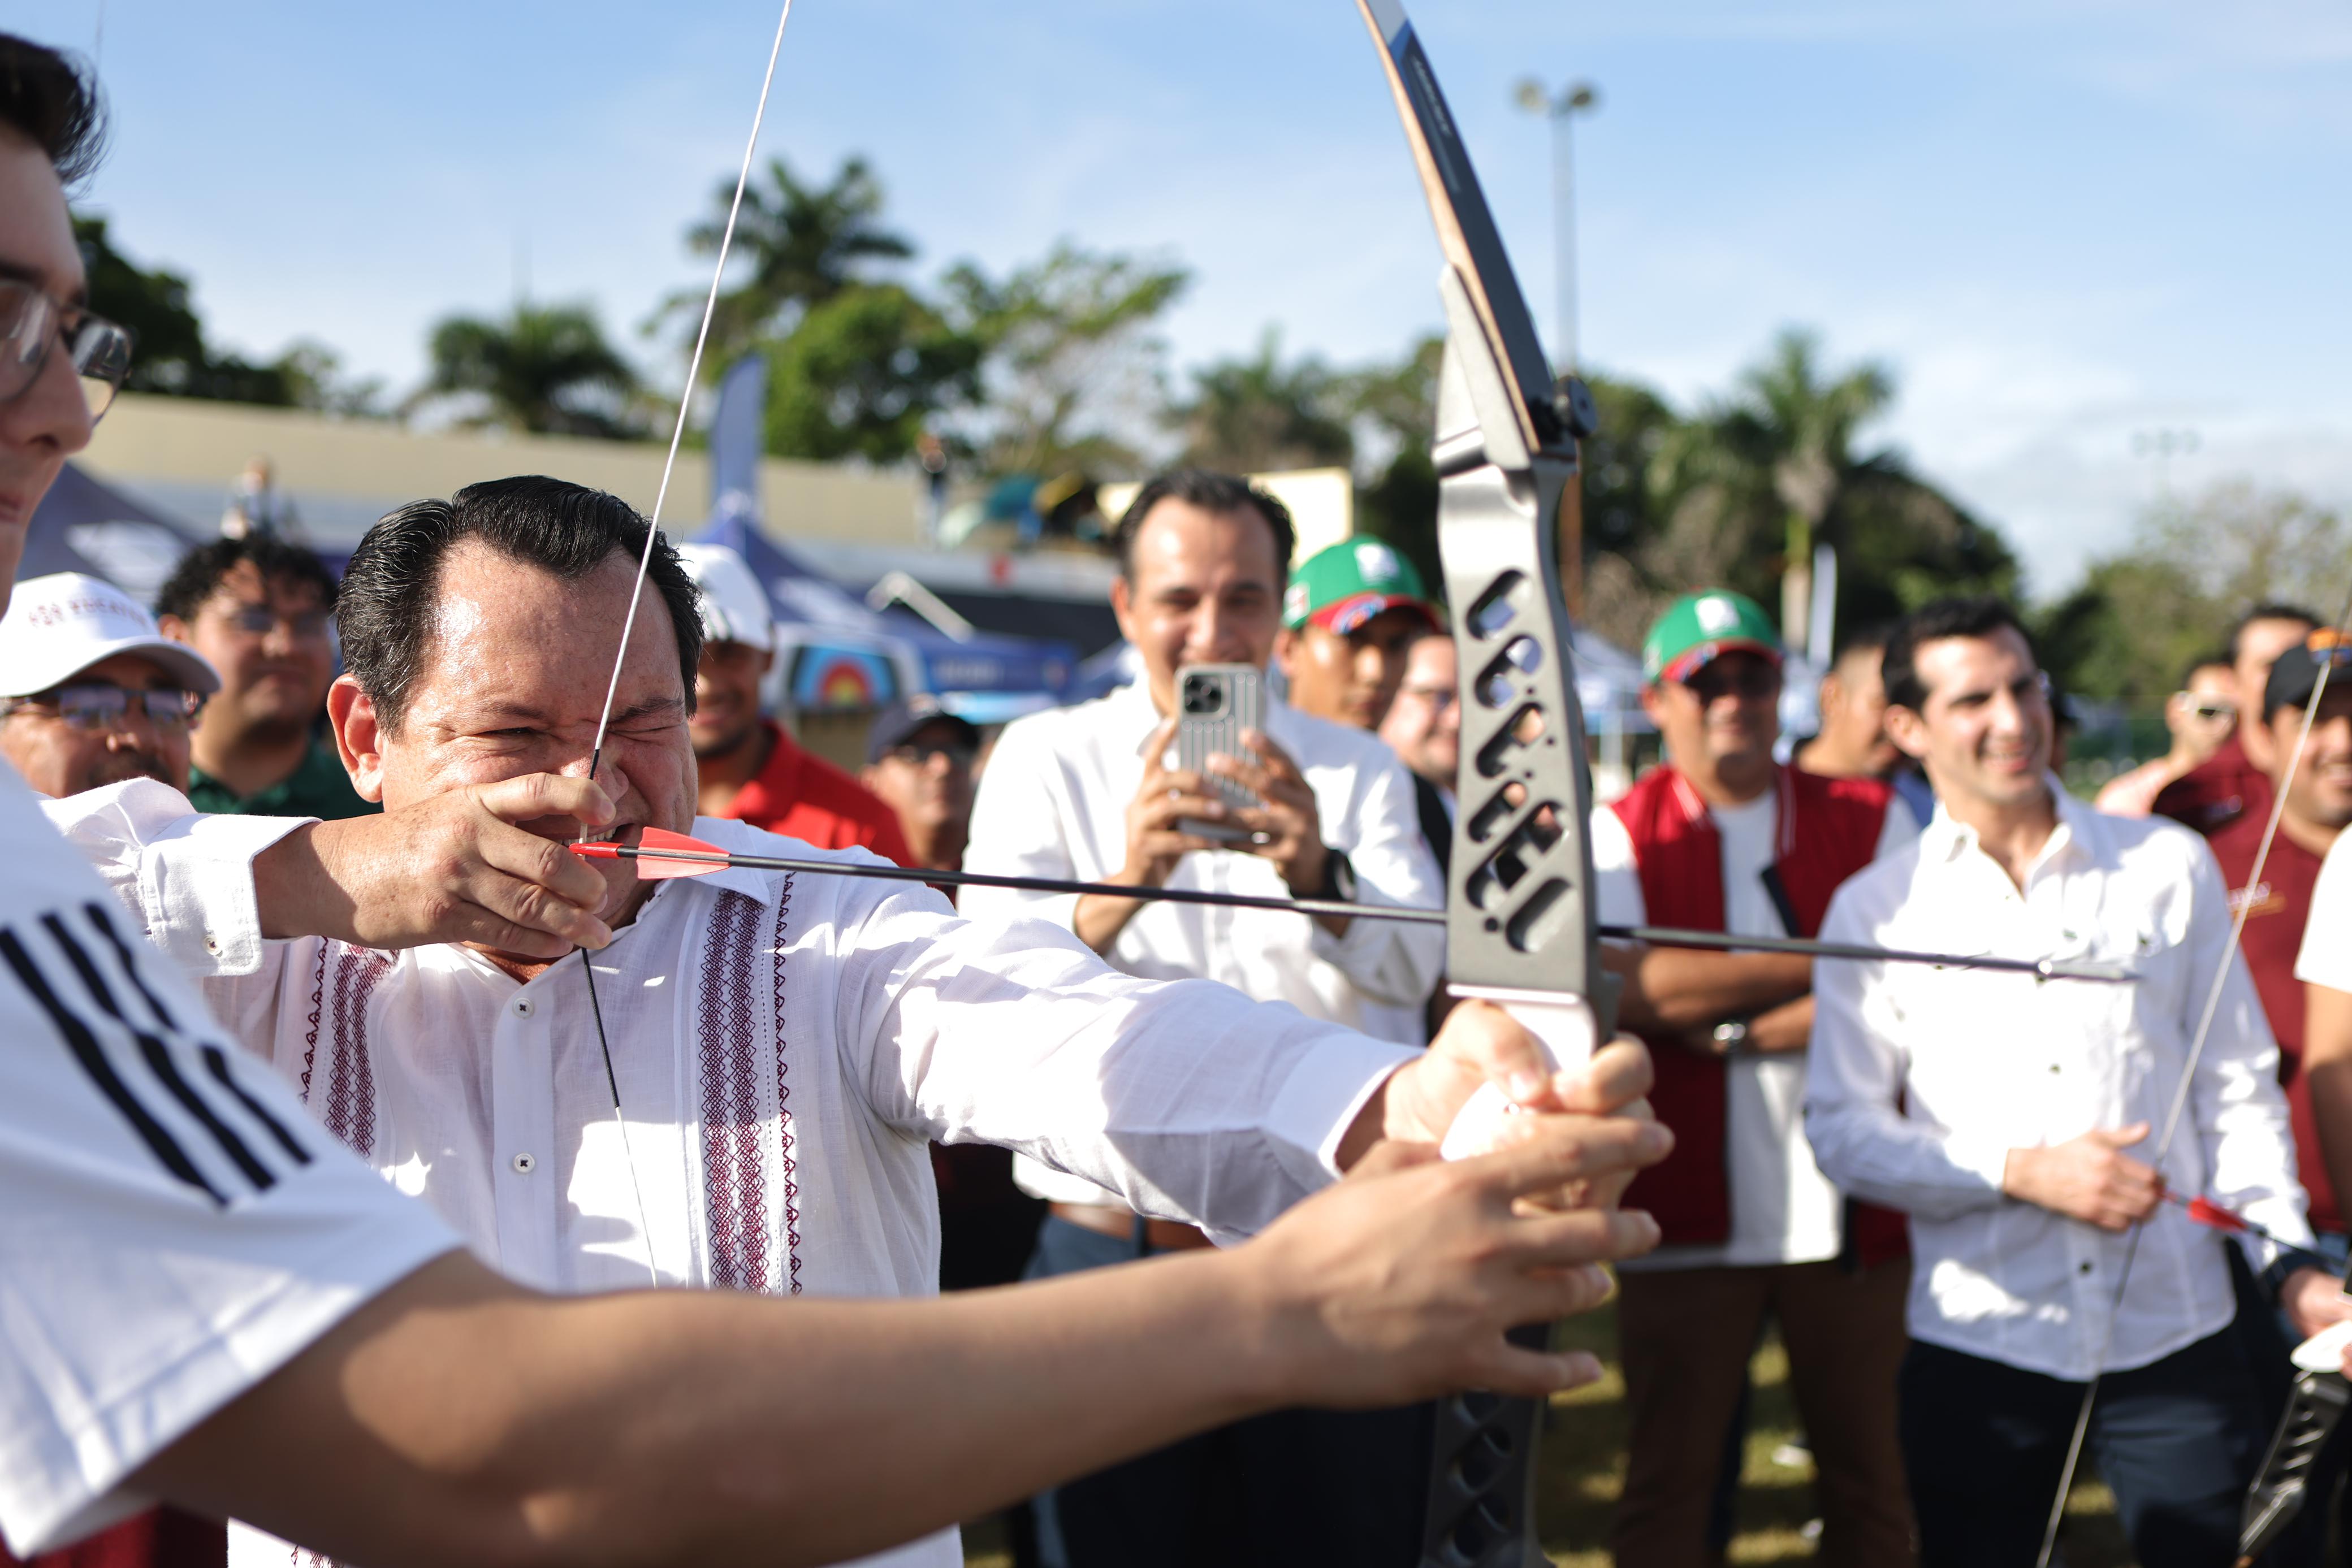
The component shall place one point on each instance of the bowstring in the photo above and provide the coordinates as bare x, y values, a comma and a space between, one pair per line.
637, 590
2342, 624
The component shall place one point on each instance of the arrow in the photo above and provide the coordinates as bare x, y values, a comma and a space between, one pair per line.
2205, 1211
660, 854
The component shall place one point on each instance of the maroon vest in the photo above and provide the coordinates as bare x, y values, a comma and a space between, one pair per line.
1829, 830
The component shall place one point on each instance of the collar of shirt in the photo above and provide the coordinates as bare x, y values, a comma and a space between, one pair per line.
1946, 840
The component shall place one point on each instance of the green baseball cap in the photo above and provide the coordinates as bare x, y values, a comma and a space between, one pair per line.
1699, 626
1341, 586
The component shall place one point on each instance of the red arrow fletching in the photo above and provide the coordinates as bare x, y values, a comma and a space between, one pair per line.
654, 855
2204, 1211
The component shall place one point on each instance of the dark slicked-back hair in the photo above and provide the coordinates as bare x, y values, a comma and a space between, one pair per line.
2272, 612
51, 100
1211, 491
200, 571
391, 588
1931, 623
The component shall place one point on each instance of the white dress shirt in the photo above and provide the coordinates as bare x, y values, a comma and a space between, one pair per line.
785, 1047
173, 1228
1783, 1209
2326, 957
1923, 1079
1053, 802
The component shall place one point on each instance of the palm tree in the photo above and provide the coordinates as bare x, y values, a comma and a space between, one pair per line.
800, 243
544, 369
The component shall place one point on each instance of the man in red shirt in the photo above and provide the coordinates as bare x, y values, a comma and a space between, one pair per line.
750, 768
2235, 782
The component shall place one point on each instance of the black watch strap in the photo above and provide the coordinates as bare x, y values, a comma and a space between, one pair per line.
1339, 877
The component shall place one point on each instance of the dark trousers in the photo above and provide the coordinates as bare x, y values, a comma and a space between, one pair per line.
2177, 1441
1297, 1489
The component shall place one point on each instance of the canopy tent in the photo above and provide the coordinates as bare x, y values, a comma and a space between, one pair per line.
84, 525
835, 652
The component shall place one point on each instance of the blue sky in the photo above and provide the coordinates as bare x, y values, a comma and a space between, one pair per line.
2062, 223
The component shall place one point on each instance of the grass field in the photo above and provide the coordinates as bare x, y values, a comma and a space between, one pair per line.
1584, 1467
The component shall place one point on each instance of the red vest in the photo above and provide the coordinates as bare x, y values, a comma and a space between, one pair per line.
1829, 830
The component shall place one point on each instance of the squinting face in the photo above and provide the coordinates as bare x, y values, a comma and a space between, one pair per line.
1424, 723
1350, 679
1206, 589
511, 687
1724, 718
59, 759
48, 422
1984, 730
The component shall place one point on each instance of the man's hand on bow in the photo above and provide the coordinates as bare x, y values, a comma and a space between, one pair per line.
456, 868
2087, 1179
1401, 1281
1482, 1043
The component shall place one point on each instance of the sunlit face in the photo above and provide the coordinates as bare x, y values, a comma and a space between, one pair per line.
927, 779
1723, 719
1983, 733
49, 420
1206, 589
2321, 790
1424, 723
727, 696
1853, 709
270, 641
2203, 713
58, 758
511, 685
1349, 678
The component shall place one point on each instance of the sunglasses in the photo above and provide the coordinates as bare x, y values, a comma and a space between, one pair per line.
33, 324
919, 754
97, 705
2210, 709
259, 620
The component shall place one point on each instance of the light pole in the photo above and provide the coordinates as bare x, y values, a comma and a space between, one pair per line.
1561, 108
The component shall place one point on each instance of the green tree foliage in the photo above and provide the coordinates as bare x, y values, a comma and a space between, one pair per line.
2141, 615
863, 373
1073, 375
546, 369
796, 245
170, 355
1258, 414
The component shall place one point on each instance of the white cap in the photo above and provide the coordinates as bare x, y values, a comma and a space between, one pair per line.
735, 608
61, 625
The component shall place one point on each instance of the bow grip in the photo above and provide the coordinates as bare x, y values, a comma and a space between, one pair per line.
1567, 1029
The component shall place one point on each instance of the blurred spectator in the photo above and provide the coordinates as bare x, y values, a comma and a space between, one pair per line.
257, 509
2235, 782
1852, 742
1087, 792
2277, 909
751, 770
1425, 728
1998, 1115
919, 762
94, 694
2201, 715
1350, 613
1722, 839
259, 610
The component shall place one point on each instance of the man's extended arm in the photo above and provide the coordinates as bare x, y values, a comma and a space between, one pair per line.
2327, 1069
457, 1419
1675, 988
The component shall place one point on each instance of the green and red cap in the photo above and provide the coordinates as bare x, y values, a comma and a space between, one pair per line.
1699, 626
1341, 586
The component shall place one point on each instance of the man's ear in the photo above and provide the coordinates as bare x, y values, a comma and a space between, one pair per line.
1652, 699
177, 629
358, 737
1908, 731
1285, 651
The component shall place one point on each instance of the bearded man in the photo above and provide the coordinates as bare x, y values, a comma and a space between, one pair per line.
782, 1047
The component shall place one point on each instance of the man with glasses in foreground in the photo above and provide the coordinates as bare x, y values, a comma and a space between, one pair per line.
92, 693
211, 1301
258, 608
1723, 838
2016, 1123
2200, 715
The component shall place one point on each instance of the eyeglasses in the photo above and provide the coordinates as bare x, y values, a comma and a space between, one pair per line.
1733, 677
1439, 698
98, 704
2213, 710
32, 322
259, 620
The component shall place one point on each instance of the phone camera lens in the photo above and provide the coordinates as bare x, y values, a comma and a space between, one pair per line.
1202, 697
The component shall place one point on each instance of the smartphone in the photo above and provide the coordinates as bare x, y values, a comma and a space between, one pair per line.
1214, 703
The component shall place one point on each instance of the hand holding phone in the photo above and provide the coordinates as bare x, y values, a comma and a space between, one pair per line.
1215, 704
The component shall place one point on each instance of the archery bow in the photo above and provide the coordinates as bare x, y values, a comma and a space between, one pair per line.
2309, 1413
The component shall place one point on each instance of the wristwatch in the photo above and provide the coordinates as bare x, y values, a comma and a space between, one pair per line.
1730, 1037
1339, 878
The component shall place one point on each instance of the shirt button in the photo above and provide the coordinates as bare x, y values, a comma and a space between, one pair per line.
2085, 1268
522, 1007
524, 1165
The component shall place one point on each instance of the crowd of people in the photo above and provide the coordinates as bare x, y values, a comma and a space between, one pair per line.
325, 821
